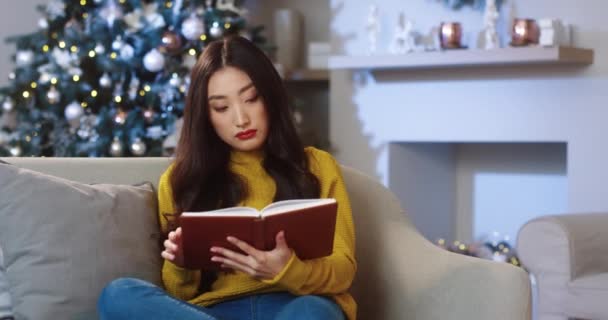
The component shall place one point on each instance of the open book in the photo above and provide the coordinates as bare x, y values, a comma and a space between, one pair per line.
309, 226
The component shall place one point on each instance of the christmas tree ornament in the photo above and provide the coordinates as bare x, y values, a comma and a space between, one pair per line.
99, 48
24, 58
120, 117
116, 148
175, 80
216, 30
11, 76
171, 42
193, 27
8, 105
53, 95
127, 52
55, 9
138, 147
43, 24
111, 12
73, 112
105, 81
149, 115
15, 151
154, 61
188, 61
117, 43
403, 39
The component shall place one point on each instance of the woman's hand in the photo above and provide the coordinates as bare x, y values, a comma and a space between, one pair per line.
174, 251
258, 264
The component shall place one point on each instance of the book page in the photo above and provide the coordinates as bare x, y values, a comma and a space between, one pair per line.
291, 205
226, 212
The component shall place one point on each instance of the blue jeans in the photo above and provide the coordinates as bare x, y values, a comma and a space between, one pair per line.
128, 298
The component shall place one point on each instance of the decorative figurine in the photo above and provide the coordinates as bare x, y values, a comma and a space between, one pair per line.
403, 40
490, 17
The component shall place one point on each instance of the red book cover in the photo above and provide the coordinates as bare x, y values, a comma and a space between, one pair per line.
309, 226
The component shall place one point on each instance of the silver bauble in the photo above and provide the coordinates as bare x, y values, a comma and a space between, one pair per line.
154, 61
8, 104
193, 28
11, 76
138, 147
216, 31
117, 44
53, 95
127, 52
105, 81
100, 49
15, 151
116, 148
43, 24
73, 112
175, 81
24, 58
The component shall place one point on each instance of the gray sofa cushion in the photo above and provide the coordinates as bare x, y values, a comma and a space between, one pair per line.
63, 241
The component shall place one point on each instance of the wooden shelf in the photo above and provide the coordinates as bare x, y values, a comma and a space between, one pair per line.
466, 58
308, 75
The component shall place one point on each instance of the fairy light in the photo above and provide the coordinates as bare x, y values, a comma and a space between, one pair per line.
92, 53
94, 93
26, 94
74, 49
113, 55
142, 93
33, 85
203, 37
192, 52
83, 2
118, 99
147, 88
45, 48
61, 44
84, 104
169, 4
76, 78
227, 25
54, 80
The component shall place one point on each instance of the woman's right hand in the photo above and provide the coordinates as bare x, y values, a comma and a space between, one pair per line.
174, 251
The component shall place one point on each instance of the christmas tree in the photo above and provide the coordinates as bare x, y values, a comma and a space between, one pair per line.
109, 77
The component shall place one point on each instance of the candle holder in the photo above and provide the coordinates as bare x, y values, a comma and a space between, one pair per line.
525, 32
450, 35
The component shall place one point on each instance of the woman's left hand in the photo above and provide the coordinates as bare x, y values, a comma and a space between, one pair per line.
258, 264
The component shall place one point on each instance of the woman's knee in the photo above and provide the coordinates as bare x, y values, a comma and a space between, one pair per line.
120, 293
311, 307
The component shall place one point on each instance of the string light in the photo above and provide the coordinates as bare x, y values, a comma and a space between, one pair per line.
227, 25
84, 104
74, 49
54, 80
142, 93
92, 53
83, 2
76, 78
168, 4
203, 37
94, 93
113, 55
45, 48
61, 44
192, 52
118, 99
26, 94
147, 88
33, 85
85, 15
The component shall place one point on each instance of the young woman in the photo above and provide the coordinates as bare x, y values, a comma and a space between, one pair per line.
239, 147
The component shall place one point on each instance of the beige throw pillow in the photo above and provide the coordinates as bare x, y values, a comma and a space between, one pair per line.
63, 241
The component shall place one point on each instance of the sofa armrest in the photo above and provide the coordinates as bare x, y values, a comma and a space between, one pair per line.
572, 244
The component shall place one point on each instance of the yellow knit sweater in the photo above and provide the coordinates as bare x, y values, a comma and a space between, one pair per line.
330, 276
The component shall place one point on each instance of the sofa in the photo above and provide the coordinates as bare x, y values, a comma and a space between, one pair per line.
568, 257
400, 274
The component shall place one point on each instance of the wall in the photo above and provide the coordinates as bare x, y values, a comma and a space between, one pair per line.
492, 104
21, 18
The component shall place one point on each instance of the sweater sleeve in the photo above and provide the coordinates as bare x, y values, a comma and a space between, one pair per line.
332, 274
179, 282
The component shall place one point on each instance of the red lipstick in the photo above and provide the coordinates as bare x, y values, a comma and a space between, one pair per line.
247, 134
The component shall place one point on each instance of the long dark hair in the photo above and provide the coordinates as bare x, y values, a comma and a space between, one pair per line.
201, 178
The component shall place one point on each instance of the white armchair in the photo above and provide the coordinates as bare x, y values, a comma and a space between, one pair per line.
568, 256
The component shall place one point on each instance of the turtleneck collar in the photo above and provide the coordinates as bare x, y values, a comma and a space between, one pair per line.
247, 157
